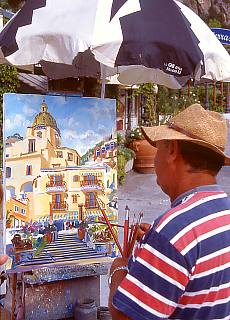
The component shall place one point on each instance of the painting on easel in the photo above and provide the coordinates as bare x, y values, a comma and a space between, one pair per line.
60, 171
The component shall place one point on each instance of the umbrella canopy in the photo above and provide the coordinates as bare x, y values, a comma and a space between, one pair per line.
160, 41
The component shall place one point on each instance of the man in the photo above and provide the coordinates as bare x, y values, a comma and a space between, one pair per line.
181, 269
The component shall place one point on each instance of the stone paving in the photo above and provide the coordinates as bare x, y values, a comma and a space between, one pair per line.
141, 192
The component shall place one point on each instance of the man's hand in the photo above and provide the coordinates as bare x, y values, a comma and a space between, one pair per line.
143, 228
3, 259
118, 262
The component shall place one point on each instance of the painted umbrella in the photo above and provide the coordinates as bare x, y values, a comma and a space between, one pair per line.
160, 41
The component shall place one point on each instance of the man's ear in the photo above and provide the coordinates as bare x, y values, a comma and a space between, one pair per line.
173, 150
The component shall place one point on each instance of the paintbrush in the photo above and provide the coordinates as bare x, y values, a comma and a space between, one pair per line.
112, 224
135, 233
109, 226
126, 231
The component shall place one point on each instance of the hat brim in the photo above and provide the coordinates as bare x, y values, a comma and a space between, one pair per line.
163, 132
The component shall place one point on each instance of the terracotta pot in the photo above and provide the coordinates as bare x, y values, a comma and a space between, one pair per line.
81, 233
145, 154
8, 224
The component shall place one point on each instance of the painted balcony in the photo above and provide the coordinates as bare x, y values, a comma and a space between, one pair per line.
91, 185
58, 206
56, 187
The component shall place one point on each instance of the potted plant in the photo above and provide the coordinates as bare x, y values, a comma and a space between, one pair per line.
81, 230
144, 152
125, 158
9, 221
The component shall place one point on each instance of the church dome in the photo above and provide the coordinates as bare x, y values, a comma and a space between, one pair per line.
44, 118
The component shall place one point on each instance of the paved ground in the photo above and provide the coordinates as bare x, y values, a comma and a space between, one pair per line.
141, 193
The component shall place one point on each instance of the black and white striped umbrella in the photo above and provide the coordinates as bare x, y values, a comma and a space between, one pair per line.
160, 41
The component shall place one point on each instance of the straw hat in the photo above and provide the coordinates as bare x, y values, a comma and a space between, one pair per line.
195, 124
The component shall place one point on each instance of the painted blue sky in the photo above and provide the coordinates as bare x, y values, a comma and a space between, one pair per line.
83, 122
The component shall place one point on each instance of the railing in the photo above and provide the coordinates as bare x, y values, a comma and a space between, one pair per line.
56, 186
91, 185
59, 206
90, 204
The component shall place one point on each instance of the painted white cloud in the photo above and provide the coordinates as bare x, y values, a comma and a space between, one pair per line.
29, 111
87, 140
67, 123
99, 112
80, 141
16, 123
69, 135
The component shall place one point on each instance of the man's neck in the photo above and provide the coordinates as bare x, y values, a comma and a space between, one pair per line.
190, 181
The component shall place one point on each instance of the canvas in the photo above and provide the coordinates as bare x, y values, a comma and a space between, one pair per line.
60, 171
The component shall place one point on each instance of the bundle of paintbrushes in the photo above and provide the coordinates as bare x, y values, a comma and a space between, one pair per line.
129, 237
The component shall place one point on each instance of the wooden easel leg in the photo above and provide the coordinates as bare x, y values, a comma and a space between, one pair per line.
14, 295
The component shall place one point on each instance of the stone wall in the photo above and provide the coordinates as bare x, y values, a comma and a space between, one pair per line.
211, 9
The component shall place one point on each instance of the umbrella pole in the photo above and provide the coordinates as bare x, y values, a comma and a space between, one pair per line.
189, 83
214, 96
103, 87
222, 94
207, 96
228, 98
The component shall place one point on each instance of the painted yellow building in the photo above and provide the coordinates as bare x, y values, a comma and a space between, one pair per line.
17, 212
50, 176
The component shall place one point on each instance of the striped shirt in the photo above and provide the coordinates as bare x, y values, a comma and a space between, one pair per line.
181, 270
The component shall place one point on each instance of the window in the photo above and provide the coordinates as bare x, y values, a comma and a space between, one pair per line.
12, 191
28, 187
98, 152
57, 198
8, 172
16, 208
75, 178
103, 150
75, 196
107, 147
107, 183
56, 180
23, 211
29, 170
39, 134
91, 202
112, 145
70, 156
59, 154
31, 146
7, 155
90, 180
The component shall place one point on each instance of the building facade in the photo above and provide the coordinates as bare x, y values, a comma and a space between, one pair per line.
50, 178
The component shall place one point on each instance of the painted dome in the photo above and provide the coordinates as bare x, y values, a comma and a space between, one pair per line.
44, 118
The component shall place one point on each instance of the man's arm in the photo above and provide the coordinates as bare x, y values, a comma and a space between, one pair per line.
116, 278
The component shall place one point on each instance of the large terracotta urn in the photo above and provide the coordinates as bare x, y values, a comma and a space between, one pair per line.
145, 154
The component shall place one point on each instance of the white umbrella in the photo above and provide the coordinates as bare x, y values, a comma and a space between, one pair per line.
161, 41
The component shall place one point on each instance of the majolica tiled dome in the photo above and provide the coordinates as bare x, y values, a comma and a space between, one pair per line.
44, 118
